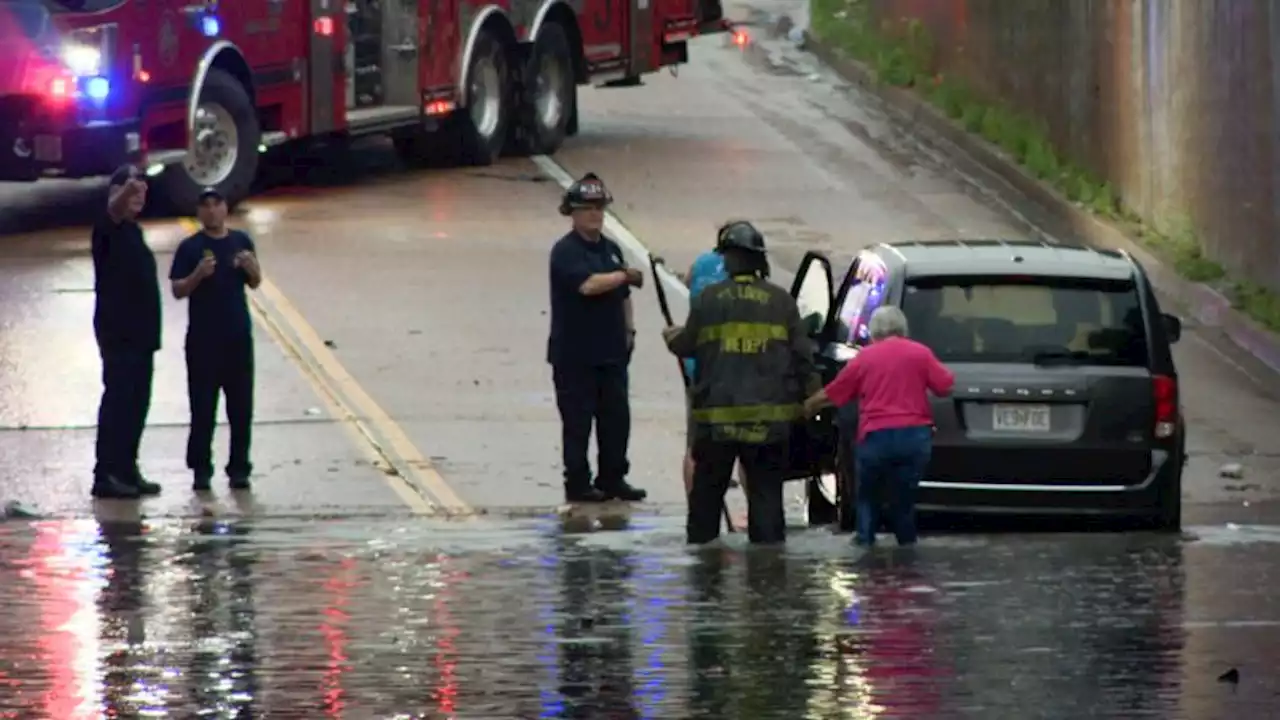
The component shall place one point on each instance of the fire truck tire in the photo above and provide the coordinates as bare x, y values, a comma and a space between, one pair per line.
550, 94
230, 109
478, 132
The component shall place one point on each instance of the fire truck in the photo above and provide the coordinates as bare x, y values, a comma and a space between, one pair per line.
195, 91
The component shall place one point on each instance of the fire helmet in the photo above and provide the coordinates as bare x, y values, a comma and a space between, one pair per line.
740, 235
587, 192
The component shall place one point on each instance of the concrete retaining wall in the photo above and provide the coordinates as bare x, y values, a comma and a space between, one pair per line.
1176, 104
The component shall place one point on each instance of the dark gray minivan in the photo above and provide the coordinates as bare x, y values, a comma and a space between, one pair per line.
1066, 397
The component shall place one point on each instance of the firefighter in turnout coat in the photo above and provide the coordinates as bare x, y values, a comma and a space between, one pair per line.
755, 367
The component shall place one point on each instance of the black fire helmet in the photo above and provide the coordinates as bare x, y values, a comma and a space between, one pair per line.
740, 235
587, 192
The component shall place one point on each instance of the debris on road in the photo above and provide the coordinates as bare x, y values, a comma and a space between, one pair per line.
15, 510
1231, 470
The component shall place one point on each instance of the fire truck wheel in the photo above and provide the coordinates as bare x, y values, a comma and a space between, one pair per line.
480, 129
226, 146
550, 93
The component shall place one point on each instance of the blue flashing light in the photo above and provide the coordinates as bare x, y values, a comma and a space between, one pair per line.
210, 26
97, 88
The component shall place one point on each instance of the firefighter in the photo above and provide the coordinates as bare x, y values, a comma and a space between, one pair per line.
589, 347
755, 367
126, 324
211, 270
707, 269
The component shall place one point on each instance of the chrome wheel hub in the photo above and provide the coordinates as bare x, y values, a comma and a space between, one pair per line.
549, 92
485, 97
215, 146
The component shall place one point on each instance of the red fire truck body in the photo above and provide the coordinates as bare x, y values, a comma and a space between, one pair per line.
195, 90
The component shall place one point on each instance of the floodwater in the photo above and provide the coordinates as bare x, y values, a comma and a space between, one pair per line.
616, 618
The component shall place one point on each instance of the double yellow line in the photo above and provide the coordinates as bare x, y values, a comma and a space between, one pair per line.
409, 473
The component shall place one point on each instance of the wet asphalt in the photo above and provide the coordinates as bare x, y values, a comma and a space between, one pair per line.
401, 380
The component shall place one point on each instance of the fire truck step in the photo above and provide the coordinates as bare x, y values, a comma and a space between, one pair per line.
382, 116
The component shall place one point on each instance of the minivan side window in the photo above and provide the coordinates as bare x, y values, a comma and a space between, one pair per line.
863, 294
1028, 319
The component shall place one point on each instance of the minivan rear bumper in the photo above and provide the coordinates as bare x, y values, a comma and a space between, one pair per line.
1045, 499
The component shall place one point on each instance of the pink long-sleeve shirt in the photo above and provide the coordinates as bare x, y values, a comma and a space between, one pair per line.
891, 379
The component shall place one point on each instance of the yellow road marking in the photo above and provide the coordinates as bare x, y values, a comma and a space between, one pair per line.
416, 481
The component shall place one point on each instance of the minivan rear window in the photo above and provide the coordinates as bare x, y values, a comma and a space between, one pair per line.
1033, 320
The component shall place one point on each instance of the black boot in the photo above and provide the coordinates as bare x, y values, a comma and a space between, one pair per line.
582, 494
146, 488
622, 491
202, 482
110, 487
239, 482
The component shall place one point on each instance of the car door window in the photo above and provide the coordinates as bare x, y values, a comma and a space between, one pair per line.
812, 291
863, 294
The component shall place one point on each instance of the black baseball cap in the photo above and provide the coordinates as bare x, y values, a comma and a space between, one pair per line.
210, 193
124, 174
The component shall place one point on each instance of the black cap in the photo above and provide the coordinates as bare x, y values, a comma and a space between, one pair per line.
210, 192
124, 174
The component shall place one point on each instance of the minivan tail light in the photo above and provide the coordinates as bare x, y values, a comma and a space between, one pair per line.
1164, 391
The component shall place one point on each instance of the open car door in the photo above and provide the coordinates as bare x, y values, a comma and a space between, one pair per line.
813, 442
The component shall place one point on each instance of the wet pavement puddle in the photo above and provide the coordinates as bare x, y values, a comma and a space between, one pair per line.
525, 618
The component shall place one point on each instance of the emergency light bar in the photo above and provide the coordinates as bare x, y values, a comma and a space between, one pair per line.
85, 54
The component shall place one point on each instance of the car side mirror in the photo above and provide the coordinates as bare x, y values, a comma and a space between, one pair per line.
1172, 327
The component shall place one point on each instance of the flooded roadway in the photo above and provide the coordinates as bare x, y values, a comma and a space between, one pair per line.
401, 378
529, 619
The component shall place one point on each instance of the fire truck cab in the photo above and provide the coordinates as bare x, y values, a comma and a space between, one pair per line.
195, 90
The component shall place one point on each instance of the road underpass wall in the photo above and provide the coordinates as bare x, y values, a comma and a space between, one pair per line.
1173, 103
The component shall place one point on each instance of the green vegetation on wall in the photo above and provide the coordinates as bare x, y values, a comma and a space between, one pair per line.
901, 54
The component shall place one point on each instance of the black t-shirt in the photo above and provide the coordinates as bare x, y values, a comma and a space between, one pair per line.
126, 285
218, 309
586, 330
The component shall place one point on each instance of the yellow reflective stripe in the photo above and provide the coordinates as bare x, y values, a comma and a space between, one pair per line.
754, 434
746, 414
742, 332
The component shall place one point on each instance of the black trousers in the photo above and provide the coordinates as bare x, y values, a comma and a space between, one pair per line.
212, 371
122, 413
713, 469
600, 395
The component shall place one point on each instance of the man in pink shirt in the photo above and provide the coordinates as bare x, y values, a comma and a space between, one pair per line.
890, 380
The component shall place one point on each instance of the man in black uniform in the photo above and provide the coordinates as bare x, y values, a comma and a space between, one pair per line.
126, 323
592, 336
211, 269
755, 367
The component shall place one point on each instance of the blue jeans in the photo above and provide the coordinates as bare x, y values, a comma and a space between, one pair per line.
890, 464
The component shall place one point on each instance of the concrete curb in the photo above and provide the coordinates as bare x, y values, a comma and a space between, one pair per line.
1204, 303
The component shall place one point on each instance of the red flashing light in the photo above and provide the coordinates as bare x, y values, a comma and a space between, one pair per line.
438, 108
323, 26
1164, 392
740, 37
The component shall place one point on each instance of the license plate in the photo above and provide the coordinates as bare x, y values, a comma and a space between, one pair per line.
1020, 418
48, 148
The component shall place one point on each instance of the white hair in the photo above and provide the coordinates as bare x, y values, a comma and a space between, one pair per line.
887, 321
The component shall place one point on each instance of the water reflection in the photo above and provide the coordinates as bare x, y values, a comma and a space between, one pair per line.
595, 634
216, 562
122, 628
753, 640
240, 619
